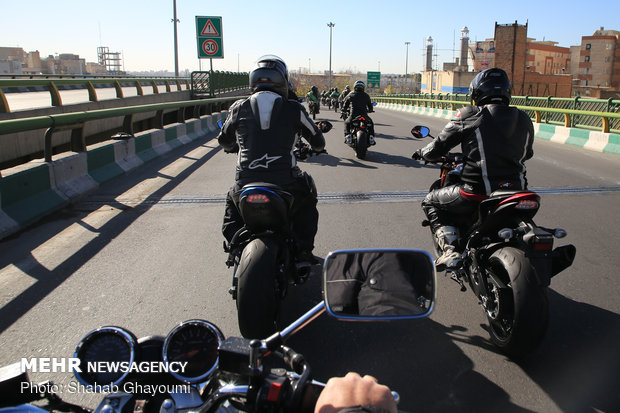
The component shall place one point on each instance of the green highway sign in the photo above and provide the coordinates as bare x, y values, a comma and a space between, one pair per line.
373, 80
209, 37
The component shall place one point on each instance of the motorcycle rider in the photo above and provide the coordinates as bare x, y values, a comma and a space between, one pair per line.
334, 96
313, 98
496, 140
262, 128
360, 104
345, 92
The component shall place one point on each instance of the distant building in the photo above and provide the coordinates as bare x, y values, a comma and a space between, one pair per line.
598, 72
546, 58
513, 53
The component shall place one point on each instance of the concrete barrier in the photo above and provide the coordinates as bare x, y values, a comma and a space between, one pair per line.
34, 190
582, 138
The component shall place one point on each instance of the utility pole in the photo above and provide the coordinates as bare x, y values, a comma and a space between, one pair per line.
176, 45
406, 62
331, 26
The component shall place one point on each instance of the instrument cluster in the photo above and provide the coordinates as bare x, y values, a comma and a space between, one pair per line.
111, 355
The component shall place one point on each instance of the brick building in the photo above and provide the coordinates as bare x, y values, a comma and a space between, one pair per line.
511, 54
598, 70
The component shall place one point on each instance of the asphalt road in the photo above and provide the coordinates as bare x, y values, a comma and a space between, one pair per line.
145, 252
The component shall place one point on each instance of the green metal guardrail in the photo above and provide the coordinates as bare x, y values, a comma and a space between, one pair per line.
210, 83
75, 121
593, 114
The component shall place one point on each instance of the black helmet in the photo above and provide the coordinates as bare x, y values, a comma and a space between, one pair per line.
359, 86
314, 90
490, 86
271, 74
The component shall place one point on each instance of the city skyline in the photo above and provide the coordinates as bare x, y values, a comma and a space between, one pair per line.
366, 37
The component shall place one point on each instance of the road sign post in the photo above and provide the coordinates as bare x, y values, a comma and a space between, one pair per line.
373, 80
209, 37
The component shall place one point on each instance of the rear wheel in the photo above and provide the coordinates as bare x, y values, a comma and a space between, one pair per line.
362, 144
518, 315
257, 300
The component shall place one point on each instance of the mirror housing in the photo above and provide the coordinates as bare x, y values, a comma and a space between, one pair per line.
420, 132
372, 284
325, 126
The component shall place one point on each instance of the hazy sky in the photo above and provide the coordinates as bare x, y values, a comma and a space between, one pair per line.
367, 36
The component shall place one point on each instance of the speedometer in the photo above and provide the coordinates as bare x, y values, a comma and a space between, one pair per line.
193, 346
105, 356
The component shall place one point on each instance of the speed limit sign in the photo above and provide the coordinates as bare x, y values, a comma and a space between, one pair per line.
210, 47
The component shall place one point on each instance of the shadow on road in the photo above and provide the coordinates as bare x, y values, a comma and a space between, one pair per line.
49, 279
578, 365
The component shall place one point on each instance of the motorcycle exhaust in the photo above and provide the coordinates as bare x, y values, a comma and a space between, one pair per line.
562, 258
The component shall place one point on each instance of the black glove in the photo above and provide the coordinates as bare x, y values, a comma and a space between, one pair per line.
417, 155
234, 149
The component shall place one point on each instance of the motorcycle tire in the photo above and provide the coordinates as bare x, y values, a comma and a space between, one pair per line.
519, 317
257, 298
362, 145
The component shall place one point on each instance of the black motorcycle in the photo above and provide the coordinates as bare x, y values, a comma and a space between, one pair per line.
194, 368
313, 108
360, 135
335, 104
508, 260
262, 253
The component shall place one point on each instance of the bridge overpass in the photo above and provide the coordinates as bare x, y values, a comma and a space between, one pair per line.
143, 251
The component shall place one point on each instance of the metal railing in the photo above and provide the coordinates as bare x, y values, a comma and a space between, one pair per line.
593, 114
201, 84
210, 83
76, 121
55, 85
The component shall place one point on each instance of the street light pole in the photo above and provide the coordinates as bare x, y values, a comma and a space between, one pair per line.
176, 46
331, 26
406, 62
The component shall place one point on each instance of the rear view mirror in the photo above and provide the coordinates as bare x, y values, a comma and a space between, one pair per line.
420, 131
379, 283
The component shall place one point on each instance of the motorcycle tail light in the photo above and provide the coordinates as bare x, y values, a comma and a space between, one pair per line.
543, 246
527, 204
258, 199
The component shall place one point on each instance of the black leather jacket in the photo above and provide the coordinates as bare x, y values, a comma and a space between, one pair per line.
495, 139
263, 128
360, 103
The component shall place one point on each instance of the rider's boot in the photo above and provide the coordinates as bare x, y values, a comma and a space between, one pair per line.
447, 237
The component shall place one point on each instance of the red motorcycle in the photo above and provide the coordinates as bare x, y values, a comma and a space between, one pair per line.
508, 260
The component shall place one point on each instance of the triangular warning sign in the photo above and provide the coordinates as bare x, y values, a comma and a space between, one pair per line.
209, 29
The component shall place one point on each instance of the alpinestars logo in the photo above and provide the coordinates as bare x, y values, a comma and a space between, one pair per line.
263, 161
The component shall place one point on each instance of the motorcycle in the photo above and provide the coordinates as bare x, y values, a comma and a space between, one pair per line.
313, 108
216, 374
360, 132
335, 104
262, 254
507, 259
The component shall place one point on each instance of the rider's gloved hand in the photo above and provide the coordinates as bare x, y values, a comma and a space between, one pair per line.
234, 149
354, 390
417, 155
